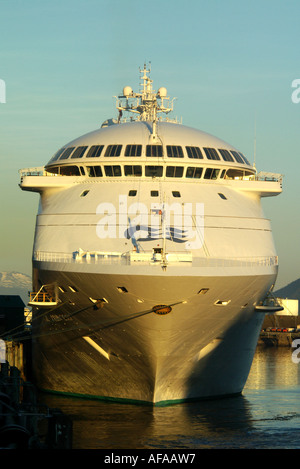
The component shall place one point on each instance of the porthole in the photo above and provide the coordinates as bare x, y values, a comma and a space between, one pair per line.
222, 196
98, 302
203, 291
222, 302
84, 193
132, 193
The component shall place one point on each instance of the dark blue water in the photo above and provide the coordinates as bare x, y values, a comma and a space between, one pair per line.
266, 416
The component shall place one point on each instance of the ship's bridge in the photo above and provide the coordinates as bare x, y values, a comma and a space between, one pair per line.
147, 145
128, 149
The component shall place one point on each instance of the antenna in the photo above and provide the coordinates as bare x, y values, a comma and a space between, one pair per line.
147, 104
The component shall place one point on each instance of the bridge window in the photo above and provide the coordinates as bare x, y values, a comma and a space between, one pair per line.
79, 152
113, 171
174, 151
133, 170
226, 155
67, 153
234, 174
154, 150
211, 173
57, 154
95, 151
69, 171
113, 150
194, 152
244, 158
53, 170
211, 154
133, 150
174, 171
176, 194
94, 171
153, 171
237, 157
192, 172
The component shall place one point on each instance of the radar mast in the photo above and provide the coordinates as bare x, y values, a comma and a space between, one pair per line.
147, 104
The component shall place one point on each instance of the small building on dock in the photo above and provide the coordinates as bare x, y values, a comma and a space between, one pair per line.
283, 327
11, 313
287, 318
15, 336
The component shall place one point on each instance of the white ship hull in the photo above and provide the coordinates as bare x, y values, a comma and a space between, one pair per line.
126, 351
152, 239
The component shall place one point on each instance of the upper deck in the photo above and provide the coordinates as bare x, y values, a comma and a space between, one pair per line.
148, 146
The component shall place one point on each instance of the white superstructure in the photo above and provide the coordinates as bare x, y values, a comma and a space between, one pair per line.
152, 244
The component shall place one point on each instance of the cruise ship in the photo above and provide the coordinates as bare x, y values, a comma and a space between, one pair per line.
152, 259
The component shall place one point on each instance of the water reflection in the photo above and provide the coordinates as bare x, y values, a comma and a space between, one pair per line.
273, 367
266, 415
108, 425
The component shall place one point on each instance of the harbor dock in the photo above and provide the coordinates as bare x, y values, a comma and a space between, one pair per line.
279, 337
24, 422
281, 328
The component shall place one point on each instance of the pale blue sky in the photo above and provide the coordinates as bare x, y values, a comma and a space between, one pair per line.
229, 63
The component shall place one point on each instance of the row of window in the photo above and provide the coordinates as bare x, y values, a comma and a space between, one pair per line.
133, 193
124, 290
172, 151
192, 172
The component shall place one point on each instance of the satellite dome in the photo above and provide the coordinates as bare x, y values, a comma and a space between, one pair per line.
162, 92
127, 91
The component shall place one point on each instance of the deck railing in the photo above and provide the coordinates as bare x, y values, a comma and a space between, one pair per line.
261, 176
134, 258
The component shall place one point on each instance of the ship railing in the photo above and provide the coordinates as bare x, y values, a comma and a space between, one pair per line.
46, 296
236, 261
104, 257
52, 256
267, 176
133, 257
35, 171
40, 297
